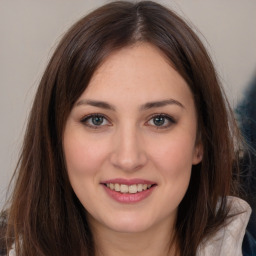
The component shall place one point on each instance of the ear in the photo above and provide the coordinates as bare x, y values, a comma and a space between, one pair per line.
198, 153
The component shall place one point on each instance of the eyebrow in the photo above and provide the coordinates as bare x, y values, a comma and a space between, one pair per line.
96, 103
146, 106
162, 103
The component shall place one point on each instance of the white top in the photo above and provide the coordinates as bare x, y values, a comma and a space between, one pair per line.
228, 240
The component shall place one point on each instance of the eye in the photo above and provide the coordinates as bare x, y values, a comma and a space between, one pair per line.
95, 121
161, 121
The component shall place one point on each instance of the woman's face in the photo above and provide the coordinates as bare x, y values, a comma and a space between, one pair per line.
130, 141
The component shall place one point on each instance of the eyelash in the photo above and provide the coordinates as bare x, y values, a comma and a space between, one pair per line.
85, 120
167, 118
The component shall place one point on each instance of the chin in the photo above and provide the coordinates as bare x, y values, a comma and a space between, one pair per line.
129, 224
127, 228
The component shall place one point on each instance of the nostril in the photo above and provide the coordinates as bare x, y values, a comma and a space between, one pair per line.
128, 162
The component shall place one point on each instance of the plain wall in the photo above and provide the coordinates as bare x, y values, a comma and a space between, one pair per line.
29, 30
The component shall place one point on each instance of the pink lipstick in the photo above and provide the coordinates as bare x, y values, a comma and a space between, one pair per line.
128, 191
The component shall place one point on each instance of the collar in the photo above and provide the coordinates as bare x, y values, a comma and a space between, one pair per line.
228, 240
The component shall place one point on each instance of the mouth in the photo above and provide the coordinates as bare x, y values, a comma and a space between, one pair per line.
128, 189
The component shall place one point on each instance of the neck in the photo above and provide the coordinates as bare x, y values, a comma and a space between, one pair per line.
158, 241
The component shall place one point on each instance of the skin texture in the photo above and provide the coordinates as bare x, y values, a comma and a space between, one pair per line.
128, 144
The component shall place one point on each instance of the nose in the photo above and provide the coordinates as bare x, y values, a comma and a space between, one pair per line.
129, 153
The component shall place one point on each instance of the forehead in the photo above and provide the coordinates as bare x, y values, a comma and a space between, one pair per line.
140, 72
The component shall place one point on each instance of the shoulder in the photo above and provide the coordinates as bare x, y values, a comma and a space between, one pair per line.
228, 240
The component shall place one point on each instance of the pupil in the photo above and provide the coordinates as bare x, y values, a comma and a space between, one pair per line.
158, 121
97, 120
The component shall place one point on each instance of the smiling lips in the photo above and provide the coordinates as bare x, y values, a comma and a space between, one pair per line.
131, 189
128, 191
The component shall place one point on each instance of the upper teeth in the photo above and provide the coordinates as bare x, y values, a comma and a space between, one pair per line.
123, 188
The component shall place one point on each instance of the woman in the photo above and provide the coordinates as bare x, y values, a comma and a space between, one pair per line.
129, 148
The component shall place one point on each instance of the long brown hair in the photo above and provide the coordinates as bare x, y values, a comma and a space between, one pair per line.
45, 217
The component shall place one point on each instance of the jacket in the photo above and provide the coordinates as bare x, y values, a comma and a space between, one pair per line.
228, 240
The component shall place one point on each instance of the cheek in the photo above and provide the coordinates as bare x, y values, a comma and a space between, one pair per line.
174, 154
173, 161
82, 156
176, 168
173, 158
